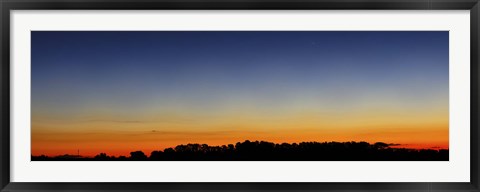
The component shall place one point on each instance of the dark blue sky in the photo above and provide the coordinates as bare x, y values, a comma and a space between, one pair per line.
130, 72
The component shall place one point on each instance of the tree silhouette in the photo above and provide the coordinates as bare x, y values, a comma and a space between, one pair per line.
380, 145
268, 151
138, 156
102, 156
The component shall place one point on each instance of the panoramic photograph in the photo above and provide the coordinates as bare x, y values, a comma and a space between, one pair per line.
239, 95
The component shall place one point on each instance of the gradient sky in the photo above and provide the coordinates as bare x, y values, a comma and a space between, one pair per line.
117, 92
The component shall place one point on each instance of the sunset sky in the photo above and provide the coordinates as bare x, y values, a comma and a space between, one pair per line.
117, 92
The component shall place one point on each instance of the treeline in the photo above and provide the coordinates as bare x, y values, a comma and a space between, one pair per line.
268, 151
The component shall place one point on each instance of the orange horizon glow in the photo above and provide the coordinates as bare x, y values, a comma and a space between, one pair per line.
420, 129
52, 142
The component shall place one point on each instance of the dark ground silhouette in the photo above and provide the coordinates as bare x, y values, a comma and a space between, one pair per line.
267, 151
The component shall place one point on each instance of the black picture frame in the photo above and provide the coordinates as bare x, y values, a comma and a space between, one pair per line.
8, 5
